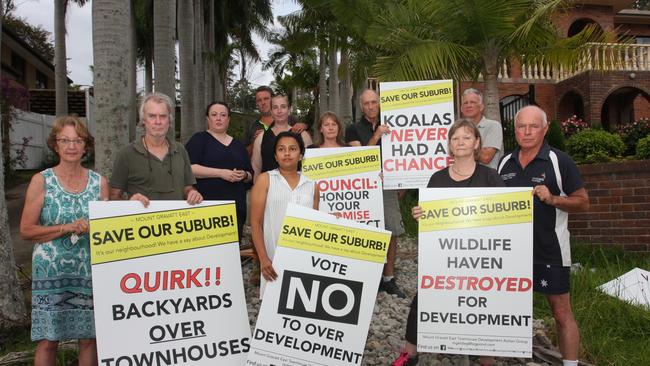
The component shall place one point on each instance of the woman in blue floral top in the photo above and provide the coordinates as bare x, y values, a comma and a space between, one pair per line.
55, 218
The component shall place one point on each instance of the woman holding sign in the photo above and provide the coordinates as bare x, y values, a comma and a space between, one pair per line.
329, 132
55, 218
272, 191
464, 145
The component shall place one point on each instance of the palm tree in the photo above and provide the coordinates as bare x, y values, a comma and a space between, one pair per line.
199, 67
12, 306
164, 53
110, 20
144, 39
418, 40
334, 76
186, 21
345, 108
60, 61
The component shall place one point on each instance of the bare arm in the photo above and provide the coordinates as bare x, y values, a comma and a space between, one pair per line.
201, 171
103, 189
115, 194
258, 203
577, 201
306, 139
256, 159
486, 154
355, 143
30, 228
299, 128
230, 175
316, 197
381, 129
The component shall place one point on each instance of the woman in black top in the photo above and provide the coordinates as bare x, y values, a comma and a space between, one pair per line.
464, 145
263, 158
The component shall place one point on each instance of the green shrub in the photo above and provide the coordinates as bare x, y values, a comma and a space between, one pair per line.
633, 132
555, 136
594, 146
643, 148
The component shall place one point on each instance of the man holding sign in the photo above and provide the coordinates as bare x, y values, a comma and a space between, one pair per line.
558, 190
154, 167
368, 132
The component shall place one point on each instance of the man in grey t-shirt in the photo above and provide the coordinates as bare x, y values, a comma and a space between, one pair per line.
491, 131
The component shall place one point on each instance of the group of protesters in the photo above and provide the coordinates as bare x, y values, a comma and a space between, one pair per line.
214, 165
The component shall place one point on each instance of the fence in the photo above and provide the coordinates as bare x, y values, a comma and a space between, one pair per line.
28, 139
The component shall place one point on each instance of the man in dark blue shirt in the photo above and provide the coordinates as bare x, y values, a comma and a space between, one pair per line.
368, 132
558, 189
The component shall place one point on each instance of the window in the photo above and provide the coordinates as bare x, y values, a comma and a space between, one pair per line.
642, 40
18, 64
41, 80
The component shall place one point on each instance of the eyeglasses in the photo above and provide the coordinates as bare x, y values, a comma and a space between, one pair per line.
67, 142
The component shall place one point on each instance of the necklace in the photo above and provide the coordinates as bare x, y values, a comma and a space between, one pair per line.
453, 167
78, 185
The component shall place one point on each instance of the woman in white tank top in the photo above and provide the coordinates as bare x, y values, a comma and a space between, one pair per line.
272, 192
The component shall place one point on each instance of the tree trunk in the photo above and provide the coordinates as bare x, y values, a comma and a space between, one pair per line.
322, 83
491, 73
210, 66
186, 20
110, 19
346, 89
12, 306
60, 71
148, 75
164, 53
242, 55
199, 81
334, 78
133, 77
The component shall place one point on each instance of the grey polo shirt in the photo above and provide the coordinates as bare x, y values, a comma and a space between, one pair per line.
135, 170
492, 136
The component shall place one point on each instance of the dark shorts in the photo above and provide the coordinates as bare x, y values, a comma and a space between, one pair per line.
551, 279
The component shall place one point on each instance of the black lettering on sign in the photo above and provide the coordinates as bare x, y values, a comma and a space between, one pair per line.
318, 297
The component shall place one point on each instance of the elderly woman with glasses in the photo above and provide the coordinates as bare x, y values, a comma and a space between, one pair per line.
55, 218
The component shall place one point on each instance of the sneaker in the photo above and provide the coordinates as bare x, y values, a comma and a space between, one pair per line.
405, 360
390, 287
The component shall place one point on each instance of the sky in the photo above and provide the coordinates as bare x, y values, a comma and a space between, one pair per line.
79, 37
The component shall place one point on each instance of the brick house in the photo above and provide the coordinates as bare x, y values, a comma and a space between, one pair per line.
618, 95
27, 67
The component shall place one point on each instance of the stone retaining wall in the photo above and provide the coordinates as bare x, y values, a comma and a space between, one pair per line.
619, 194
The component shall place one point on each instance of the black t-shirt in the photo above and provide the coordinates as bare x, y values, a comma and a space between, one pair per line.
361, 131
483, 177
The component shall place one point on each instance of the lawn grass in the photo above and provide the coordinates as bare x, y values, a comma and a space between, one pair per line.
612, 331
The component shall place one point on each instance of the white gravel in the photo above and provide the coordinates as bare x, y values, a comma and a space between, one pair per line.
386, 333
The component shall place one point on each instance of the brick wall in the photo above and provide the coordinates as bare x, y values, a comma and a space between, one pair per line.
619, 194
596, 86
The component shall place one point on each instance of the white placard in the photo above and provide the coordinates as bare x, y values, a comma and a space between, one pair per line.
167, 284
419, 114
475, 271
349, 182
318, 310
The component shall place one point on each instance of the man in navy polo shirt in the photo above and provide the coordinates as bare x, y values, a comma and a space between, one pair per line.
558, 189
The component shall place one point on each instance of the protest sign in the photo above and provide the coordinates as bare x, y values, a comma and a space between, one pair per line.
419, 114
349, 182
632, 287
167, 284
318, 310
475, 271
